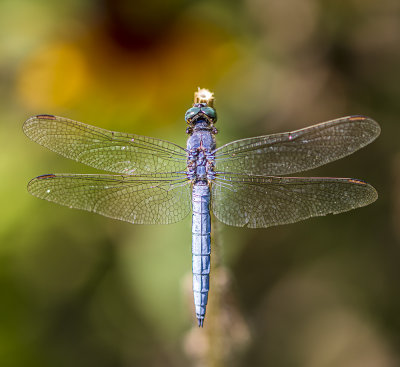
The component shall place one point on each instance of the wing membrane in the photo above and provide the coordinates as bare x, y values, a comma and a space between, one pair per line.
153, 199
103, 149
286, 153
260, 202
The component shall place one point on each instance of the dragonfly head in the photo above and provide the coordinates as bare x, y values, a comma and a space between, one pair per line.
200, 112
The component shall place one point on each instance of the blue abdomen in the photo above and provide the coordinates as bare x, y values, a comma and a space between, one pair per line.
201, 247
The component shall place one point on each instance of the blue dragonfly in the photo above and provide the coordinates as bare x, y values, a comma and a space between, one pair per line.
158, 182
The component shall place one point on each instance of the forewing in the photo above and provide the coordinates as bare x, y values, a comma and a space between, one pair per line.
286, 153
103, 149
260, 202
154, 199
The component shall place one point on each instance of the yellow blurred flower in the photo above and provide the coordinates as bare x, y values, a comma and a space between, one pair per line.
52, 76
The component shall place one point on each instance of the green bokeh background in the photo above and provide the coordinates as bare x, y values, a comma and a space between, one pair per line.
78, 289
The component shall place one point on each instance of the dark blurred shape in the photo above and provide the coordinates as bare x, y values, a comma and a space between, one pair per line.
396, 195
138, 25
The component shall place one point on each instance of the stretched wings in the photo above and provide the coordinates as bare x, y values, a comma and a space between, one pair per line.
243, 194
155, 199
104, 149
286, 153
260, 202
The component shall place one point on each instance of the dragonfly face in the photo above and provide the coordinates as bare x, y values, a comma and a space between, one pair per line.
158, 182
200, 111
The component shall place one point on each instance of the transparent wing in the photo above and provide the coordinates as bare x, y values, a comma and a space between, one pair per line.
104, 149
260, 202
153, 199
285, 153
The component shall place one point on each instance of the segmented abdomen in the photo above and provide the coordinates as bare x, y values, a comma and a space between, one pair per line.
201, 247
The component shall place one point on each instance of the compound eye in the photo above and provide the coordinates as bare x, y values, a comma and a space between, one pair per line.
191, 112
210, 112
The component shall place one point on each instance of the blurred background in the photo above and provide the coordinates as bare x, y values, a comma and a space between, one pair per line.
78, 289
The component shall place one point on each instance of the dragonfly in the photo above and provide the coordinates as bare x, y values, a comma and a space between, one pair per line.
244, 183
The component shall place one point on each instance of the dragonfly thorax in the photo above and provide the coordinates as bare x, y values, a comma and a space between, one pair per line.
200, 161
